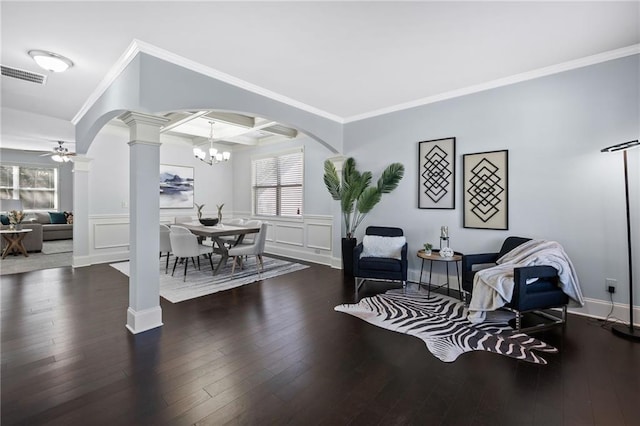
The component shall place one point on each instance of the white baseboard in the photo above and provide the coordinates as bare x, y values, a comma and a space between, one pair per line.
144, 320
113, 257
336, 262
595, 308
300, 254
80, 261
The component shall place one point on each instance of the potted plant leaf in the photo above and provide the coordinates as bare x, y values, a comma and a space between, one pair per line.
219, 207
357, 198
199, 207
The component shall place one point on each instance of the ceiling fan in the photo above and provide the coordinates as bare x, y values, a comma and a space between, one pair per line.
60, 154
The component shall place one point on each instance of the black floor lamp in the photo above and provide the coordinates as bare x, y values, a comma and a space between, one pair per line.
628, 332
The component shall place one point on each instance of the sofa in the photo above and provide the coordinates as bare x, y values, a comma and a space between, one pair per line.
33, 240
55, 226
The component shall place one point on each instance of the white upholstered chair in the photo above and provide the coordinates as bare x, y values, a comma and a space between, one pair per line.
249, 239
185, 246
256, 249
165, 244
231, 239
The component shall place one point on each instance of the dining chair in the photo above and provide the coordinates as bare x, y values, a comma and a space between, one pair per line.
185, 246
165, 244
250, 238
256, 249
231, 239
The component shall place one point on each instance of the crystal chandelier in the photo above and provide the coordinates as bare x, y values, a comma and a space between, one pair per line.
214, 155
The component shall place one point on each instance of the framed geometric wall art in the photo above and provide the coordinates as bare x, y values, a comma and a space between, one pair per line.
485, 189
437, 174
176, 187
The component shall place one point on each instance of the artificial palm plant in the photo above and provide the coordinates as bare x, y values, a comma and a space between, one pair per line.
356, 195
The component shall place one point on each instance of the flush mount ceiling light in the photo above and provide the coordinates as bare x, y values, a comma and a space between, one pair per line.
50, 61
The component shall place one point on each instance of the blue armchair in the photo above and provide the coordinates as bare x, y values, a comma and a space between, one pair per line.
380, 268
544, 293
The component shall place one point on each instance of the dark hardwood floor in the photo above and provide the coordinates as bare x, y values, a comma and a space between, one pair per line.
276, 352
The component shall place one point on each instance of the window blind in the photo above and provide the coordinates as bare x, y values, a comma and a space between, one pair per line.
278, 184
36, 187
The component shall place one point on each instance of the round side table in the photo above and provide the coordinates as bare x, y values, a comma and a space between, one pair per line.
434, 256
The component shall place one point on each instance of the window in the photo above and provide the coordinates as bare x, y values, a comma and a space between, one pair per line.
36, 186
277, 185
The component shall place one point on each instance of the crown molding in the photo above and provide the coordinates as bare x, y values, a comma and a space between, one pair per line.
113, 73
138, 46
518, 78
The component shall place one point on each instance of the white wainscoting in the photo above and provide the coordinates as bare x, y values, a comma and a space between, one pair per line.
108, 238
307, 239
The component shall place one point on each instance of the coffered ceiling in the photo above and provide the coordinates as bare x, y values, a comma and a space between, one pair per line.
225, 128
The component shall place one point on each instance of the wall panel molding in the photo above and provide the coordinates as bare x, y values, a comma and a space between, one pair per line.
308, 239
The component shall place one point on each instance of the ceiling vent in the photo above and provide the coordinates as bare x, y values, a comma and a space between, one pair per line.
33, 77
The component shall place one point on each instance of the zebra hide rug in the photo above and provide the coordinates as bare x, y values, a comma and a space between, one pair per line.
442, 323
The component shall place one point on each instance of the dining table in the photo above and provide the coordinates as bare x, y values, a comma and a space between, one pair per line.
217, 231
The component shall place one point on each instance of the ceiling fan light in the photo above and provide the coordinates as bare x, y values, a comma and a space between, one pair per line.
50, 61
57, 158
66, 159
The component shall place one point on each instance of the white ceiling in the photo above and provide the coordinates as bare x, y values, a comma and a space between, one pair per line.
344, 58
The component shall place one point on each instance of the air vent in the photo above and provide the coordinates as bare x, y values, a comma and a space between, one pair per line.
33, 77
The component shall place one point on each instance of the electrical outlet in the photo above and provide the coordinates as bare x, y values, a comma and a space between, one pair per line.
610, 285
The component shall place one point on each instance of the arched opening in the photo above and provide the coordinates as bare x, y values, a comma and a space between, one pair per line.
229, 183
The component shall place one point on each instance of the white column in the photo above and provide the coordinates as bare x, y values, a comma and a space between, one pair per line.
81, 211
144, 311
336, 210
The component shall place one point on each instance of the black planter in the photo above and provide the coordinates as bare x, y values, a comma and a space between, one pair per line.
348, 244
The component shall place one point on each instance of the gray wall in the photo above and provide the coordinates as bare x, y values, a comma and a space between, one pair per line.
560, 186
65, 176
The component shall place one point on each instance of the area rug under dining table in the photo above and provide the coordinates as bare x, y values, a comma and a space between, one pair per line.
202, 282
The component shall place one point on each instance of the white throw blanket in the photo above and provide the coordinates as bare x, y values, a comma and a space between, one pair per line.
493, 287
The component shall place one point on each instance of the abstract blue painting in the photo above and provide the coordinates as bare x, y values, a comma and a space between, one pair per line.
176, 187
